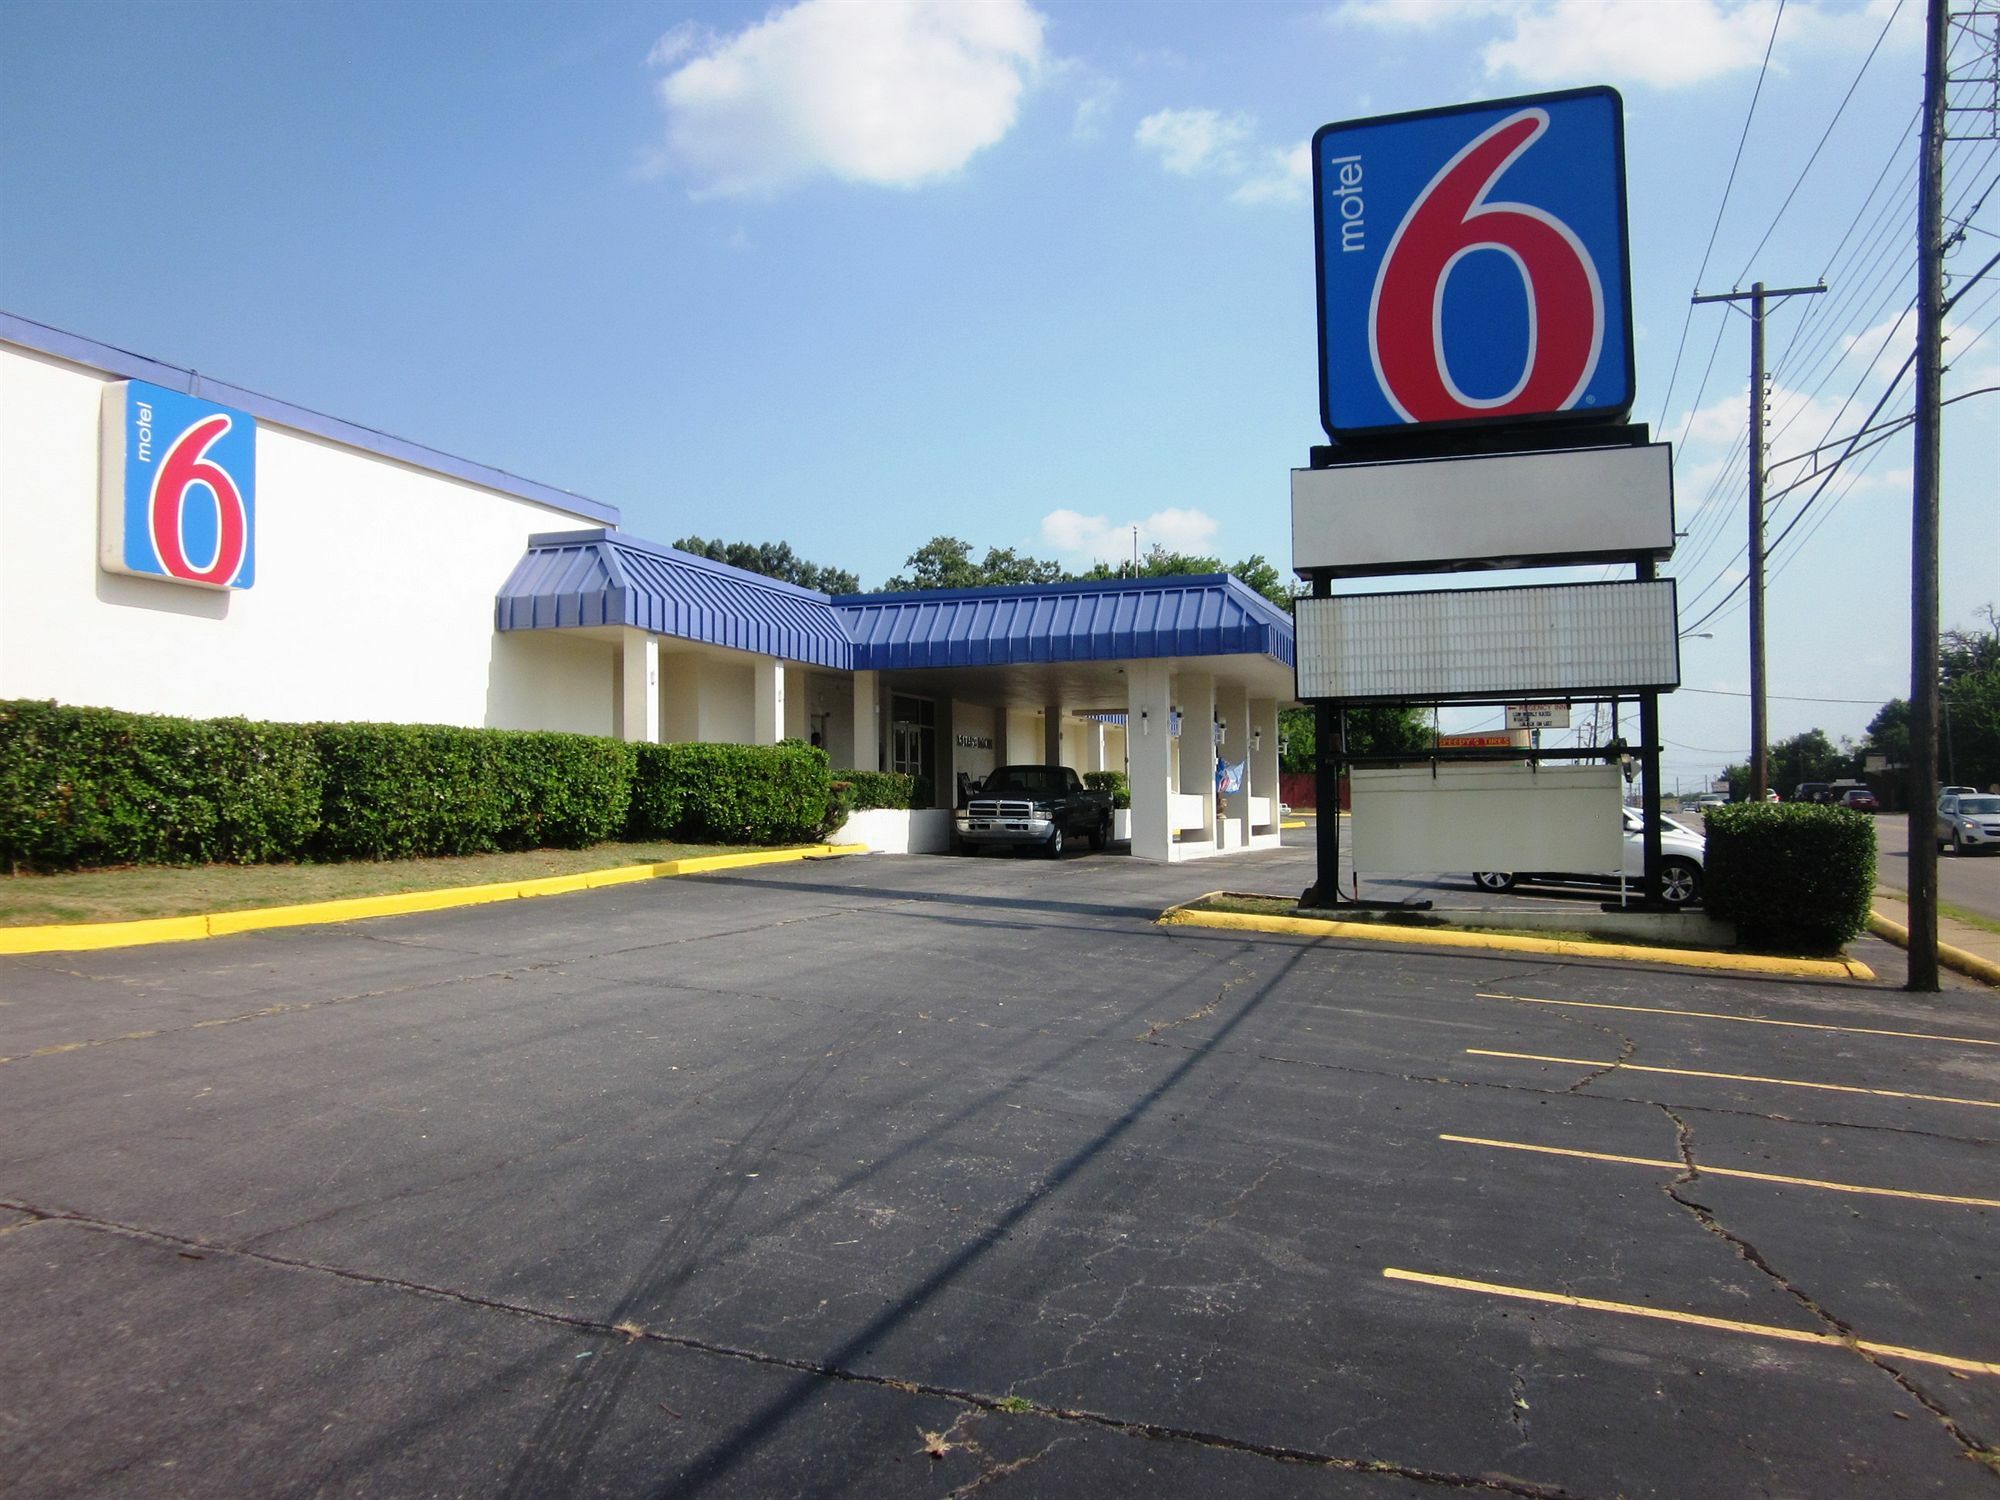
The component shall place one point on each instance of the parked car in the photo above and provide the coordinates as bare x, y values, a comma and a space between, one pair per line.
1038, 806
1712, 799
1860, 799
1968, 824
1811, 791
1683, 853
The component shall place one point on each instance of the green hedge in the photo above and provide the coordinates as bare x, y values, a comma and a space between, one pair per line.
1113, 782
407, 791
1791, 875
94, 786
732, 794
90, 786
879, 788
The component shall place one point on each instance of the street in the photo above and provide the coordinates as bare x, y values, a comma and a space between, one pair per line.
885, 1176
1968, 881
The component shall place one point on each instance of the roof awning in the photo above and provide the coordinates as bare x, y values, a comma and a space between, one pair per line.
575, 579
1204, 614
601, 577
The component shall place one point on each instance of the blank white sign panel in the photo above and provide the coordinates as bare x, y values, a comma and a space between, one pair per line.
1489, 644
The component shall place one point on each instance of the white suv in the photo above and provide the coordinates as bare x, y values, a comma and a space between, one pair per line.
1968, 822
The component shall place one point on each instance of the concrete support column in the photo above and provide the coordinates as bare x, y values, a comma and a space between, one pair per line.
639, 687
1093, 746
867, 722
1052, 726
1232, 707
1149, 750
1196, 694
767, 721
1264, 754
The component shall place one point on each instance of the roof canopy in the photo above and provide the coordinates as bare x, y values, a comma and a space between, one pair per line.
602, 577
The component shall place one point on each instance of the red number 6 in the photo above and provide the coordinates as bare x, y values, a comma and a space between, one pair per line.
186, 466
1450, 219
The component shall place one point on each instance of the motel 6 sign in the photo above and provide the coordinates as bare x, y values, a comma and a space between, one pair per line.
177, 491
1473, 266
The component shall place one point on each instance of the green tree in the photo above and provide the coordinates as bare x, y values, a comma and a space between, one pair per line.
1969, 674
1383, 729
1809, 757
773, 560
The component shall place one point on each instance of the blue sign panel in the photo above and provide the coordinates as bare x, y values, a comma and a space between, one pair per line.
178, 488
1473, 266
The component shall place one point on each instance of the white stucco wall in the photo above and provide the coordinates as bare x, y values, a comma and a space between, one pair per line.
373, 598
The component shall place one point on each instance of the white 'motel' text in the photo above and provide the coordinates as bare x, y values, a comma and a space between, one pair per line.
1348, 191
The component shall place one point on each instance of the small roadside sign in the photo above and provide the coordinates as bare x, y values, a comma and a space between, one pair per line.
1538, 716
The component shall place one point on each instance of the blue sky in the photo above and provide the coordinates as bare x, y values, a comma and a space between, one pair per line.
850, 275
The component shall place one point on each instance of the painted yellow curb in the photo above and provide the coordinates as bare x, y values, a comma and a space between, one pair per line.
1952, 958
1438, 937
84, 936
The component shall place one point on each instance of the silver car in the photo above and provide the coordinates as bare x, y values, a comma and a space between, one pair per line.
1968, 824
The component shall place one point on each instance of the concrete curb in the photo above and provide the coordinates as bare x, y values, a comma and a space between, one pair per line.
1371, 932
85, 936
1970, 964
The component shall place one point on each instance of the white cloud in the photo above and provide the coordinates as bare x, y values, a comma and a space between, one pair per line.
1652, 42
893, 93
1644, 41
1190, 142
1082, 540
1208, 143
1287, 178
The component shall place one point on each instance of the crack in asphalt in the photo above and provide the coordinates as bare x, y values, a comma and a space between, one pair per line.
1751, 1256
977, 1403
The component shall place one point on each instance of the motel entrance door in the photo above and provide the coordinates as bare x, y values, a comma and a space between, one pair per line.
913, 743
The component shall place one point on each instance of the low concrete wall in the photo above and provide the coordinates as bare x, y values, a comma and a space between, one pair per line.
892, 830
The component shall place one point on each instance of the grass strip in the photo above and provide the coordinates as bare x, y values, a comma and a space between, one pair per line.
139, 892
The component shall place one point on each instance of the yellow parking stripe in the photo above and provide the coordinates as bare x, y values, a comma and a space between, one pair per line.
1705, 1170
1711, 1015
1696, 1320
1790, 1083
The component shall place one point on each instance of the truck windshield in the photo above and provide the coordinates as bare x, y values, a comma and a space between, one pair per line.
1019, 781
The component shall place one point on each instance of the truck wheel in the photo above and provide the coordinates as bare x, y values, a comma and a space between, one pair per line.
1054, 847
1100, 836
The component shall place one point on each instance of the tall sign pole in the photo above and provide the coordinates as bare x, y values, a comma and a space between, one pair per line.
1760, 732
1924, 513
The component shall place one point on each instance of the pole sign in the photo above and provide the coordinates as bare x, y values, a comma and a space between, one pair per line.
177, 491
1473, 266
1538, 716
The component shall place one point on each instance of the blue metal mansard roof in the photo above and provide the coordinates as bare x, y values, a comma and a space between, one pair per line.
1201, 614
603, 577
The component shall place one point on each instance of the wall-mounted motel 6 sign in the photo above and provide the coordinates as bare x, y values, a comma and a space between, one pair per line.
177, 491
1473, 266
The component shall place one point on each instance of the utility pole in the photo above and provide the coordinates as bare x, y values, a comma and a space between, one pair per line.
1760, 735
1924, 513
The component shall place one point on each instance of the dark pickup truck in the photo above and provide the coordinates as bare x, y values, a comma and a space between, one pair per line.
1041, 806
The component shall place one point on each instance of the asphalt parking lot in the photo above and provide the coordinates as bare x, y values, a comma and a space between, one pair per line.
931, 1177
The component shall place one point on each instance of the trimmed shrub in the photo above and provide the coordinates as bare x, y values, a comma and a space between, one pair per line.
879, 788
564, 791
1790, 875
731, 794
1113, 782
95, 786
409, 791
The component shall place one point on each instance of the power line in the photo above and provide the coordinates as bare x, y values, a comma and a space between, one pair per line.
1837, 113
1720, 208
